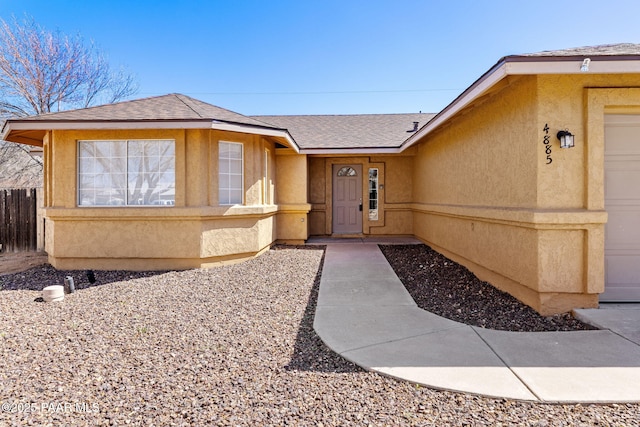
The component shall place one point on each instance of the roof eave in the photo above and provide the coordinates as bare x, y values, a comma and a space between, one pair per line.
13, 127
257, 130
27, 137
526, 65
359, 150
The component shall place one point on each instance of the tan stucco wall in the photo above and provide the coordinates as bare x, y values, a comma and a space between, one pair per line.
485, 196
195, 232
291, 197
394, 194
483, 158
566, 100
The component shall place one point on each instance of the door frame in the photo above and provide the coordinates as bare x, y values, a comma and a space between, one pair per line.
325, 210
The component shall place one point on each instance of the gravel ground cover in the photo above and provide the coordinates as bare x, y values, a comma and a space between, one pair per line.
450, 290
227, 346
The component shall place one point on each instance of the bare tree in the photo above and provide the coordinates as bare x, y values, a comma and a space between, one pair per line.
19, 167
43, 72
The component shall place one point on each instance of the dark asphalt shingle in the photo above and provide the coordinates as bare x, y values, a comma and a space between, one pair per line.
170, 107
349, 131
619, 49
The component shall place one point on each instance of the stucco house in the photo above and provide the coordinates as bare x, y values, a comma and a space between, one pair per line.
173, 182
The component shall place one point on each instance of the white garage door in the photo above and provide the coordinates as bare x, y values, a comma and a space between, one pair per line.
622, 202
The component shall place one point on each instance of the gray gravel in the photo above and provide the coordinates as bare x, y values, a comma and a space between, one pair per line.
450, 290
227, 346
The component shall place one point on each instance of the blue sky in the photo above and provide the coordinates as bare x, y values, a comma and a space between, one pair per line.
329, 56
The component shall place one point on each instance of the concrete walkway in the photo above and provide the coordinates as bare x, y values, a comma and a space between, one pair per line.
365, 314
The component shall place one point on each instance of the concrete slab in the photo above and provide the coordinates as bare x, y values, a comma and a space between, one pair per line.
360, 275
348, 252
365, 314
361, 272
583, 366
450, 360
381, 240
359, 293
582, 385
350, 328
622, 318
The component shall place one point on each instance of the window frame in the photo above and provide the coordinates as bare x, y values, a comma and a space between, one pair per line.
242, 175
127, 158
374, 193
266, 196
347, 171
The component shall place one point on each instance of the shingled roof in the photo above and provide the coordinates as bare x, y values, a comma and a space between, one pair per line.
173, 111
172, 107
620, 49
349, 131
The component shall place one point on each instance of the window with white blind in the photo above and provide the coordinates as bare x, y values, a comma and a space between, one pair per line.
230, 173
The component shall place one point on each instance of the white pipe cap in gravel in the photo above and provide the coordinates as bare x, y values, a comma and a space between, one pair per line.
53, 293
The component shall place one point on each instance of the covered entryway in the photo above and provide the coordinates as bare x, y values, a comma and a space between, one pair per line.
622, 202
347, 199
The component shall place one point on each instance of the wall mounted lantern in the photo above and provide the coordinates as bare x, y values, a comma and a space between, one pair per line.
566, 138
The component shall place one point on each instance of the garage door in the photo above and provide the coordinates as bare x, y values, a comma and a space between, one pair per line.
622, 202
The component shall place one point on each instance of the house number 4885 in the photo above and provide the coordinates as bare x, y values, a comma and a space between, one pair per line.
547, 143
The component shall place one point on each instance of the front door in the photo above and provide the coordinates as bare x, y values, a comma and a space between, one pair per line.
347, 199
622, 202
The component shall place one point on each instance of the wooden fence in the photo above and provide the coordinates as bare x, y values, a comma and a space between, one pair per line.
18, 220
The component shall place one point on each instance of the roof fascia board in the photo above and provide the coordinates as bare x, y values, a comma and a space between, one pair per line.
87, 125
334, 151
525, 66
127, 125
476, 90
278, 133
571, 65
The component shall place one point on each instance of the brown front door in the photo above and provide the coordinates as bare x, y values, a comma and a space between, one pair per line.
347, 199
